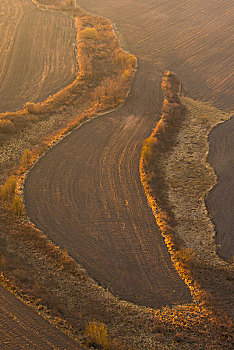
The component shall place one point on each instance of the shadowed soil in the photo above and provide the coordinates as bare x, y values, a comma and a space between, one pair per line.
220, 200
38, 53
20, 328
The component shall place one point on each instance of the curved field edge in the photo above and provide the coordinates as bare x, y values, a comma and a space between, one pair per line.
39, 56
102, 83
64, 289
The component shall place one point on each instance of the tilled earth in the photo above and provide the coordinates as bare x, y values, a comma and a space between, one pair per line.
86, 192
37, 53
20, 328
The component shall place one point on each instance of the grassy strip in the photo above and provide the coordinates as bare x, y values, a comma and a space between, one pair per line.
210, 285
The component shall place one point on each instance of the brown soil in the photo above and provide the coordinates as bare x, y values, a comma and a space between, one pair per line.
31, 67
20, 328
182, 327
157, 45
87, 196
194, 39
220, 200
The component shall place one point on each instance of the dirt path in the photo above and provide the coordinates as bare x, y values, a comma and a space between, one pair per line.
38, 53
22, 328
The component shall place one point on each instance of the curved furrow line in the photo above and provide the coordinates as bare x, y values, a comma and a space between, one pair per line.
36, 67
87, 196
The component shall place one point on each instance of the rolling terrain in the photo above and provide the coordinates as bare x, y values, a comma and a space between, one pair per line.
86, 192
194, 39
35, 62
37, 53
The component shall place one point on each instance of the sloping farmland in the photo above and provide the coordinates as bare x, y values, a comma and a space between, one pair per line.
37, 53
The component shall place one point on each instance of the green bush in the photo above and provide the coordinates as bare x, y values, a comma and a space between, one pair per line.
8, 189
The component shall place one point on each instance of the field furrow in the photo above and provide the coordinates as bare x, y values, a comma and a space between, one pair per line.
39, 55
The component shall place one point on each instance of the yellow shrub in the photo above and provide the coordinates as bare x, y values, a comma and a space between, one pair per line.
17, 206
26, 158
148, 150
131, 60
89, 33
97, 334
8, 189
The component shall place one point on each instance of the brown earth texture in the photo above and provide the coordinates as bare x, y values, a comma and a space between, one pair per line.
37, 53
91, 201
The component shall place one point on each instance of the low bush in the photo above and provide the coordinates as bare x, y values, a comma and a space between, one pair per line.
17, 206
147, 152
89, 33
8, 189
26, 159
97, 334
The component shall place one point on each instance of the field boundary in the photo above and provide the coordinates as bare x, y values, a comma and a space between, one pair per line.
156, 149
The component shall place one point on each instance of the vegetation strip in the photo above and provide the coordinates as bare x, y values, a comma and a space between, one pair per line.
179, 140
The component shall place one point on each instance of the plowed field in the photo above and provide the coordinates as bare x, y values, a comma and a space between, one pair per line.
86, 192
193, 38
22, 329
37, 53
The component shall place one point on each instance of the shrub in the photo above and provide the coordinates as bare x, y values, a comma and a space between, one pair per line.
147, 152
17, 206
89, 33
185, 256
97, 334
8, 189
26, 158
131, 61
